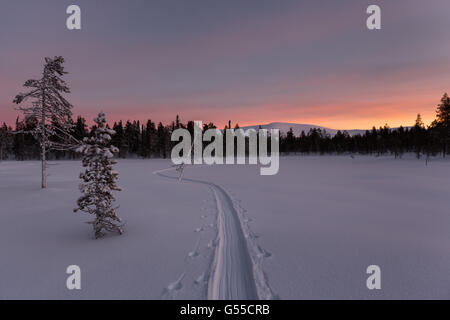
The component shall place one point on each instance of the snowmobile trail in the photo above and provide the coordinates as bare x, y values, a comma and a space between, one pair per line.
232, 275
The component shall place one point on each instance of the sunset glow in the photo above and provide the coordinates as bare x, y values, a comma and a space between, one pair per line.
250, 63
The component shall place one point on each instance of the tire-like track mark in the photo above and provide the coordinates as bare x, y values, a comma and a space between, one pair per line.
232, 272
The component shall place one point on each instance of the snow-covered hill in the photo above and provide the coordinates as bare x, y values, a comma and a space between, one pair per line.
297, 128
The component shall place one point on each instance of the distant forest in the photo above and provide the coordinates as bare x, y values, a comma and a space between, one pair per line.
150, 140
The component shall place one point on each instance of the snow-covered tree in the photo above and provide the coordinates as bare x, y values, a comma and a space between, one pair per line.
99, 179
47, 104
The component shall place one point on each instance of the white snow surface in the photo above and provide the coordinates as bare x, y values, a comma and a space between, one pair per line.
308, 232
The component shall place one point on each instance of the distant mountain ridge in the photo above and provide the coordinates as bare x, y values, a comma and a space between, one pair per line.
297, 128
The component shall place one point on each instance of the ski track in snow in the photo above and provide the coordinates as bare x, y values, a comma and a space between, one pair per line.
236, 271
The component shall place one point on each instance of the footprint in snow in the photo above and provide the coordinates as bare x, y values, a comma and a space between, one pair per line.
201, 279
263, 253
212, 244
192, 254
174, 286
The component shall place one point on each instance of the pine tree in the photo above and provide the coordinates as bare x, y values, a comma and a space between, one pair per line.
162, 137
119, 139
290, 141
443, 111
99, 179
150, 137
442, 122
48, 103
19, 141
418, 135
80, 130
419, 123
4, 140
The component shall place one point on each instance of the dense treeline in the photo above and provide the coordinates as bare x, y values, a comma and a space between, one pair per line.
151, 140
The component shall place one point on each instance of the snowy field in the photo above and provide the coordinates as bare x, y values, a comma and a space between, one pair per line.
227, 232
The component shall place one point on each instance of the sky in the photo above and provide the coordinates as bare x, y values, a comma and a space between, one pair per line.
251, 62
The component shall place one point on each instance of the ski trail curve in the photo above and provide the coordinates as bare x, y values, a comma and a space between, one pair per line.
232, 272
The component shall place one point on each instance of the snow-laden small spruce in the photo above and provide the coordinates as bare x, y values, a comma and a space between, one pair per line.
99, 179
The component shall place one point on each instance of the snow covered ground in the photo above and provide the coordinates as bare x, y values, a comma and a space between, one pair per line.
227, 232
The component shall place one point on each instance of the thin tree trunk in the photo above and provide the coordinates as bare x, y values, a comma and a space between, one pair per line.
44, 140
44, 168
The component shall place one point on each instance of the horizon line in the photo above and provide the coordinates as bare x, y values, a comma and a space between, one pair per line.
89, 123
